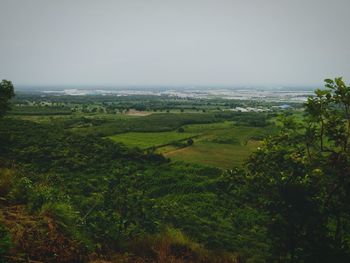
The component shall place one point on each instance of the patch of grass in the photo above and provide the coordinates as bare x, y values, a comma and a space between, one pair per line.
214, 154
222, 145
172, 245
37, 237
6, 181
166, 148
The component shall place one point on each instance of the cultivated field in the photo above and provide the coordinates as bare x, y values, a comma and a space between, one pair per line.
223, 144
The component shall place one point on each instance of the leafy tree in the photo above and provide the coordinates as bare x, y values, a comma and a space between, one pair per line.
6, 93
301, 181
180, 130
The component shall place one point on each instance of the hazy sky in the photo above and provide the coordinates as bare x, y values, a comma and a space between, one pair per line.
174, 42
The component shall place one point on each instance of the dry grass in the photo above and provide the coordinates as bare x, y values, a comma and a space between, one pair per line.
6, 181
37, 238
138, 113
172, 246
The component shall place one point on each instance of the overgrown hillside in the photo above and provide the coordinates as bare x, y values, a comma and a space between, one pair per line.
102, 195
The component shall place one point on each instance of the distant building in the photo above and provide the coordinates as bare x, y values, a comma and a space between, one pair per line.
282, 107
248, 109
241, 109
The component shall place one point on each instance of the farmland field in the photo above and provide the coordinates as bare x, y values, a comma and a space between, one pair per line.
224, 155
223, 144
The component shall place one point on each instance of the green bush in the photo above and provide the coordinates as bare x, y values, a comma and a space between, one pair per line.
180, 130
224, 140
41, 195
65, 216
21, 191
68, 221
190, 142
5, 242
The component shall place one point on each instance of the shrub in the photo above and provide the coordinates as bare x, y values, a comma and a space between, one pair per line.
224, 140
41, 195
172, 245
21, 191
63, 214
180, 130
5, 242
67, 220
6, 181
189, 141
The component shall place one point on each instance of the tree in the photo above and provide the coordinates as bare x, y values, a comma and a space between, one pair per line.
6, 93
301, 180
190, 141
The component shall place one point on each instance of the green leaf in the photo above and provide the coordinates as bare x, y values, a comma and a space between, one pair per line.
329, 81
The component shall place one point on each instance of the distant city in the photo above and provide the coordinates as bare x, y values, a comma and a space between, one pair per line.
282, 94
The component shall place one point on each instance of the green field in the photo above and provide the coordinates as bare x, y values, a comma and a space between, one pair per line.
217, 155
222, 144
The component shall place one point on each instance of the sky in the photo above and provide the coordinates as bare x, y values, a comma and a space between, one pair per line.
174, 42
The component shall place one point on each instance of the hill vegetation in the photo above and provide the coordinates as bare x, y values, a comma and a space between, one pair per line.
102, 187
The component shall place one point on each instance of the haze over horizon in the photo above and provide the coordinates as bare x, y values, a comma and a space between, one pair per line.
174, 43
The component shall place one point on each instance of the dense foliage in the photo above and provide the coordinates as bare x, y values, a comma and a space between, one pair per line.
300, 180
105, 195
6, 93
